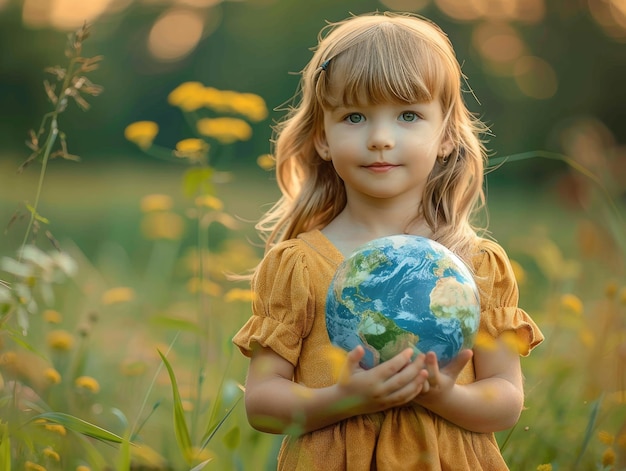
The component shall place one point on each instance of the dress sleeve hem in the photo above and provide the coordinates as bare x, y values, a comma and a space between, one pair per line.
511, 319
269, 333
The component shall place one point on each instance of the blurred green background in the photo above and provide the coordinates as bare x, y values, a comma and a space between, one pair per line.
535, 66
546, 75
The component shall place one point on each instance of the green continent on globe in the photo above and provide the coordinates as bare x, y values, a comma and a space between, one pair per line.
453, 299
383, 337
361, 267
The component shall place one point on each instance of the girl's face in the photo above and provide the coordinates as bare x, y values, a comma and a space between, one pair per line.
384, 151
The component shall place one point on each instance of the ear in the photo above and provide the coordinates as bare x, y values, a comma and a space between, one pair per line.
321, 145
446, 147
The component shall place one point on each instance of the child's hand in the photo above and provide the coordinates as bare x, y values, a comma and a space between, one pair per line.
390, 384
440, 381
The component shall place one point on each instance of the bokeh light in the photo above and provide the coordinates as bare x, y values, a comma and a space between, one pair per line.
611, 16
528, 11
468, 10
175, 34
405, 5
535, 77
63, 14
498, 42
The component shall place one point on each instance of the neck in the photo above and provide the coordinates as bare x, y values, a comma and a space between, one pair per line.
356, 225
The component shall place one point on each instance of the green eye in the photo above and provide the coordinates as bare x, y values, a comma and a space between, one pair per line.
409, 116
355, 118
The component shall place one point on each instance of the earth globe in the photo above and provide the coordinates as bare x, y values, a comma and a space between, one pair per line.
402, 291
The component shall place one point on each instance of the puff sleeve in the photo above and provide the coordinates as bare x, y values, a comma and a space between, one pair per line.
499, 297
283, 309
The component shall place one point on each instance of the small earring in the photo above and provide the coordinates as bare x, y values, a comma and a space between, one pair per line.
443, 159
326, 155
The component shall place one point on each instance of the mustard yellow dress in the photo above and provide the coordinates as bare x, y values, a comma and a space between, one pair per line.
289, 317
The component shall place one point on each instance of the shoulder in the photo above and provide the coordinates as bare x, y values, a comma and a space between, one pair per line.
288, 256
490, 258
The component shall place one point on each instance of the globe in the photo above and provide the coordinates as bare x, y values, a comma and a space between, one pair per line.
399, 292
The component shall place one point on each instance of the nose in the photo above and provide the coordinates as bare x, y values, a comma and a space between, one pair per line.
380, 138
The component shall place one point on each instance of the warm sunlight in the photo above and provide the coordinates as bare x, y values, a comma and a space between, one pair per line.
62, 14
175, 34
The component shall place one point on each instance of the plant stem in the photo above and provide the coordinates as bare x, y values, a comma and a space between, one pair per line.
52, 136
54, 132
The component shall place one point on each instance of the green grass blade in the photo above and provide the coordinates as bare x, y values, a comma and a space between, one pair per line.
591, 423
180, 424
208, 436
137, 426
174, 324
124, 461
201, 466
5, 448
80, 426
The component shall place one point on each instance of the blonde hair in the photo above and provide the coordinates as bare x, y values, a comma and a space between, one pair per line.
381, 58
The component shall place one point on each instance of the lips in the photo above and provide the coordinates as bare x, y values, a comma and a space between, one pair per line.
381, 167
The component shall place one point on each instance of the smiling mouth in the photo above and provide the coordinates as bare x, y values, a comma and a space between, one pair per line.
380, 167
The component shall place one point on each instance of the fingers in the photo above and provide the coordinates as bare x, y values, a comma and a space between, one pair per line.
351, 365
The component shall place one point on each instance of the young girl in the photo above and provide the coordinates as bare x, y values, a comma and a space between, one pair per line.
380, 143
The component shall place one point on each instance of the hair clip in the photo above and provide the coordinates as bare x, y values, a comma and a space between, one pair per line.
324, 65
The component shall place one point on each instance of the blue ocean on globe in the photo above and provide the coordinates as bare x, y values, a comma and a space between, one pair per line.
402, 291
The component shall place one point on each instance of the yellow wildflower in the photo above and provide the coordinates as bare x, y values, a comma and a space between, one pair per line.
572, 303
249, 105
146, 456
485, 341
514, 342
156, 202
8, 358
56, 428
192, 148
120, 294
608, 457
611, 289
142, 133
238, 294
198, 454
544, 467
52, 375
606, 437
88, 383
518, 272
82, 467
587, 337
225, 130
215, 99
169, 226
60, 340
51, 454
196, 284
30, 466
188, 96
209, 201
266, 161
337, 359
51, 316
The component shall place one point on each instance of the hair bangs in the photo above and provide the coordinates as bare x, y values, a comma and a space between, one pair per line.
387, 65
